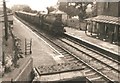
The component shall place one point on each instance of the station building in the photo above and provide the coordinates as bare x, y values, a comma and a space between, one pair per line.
108, 8
107, 22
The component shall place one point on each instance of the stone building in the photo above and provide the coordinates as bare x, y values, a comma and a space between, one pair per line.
107, 23
108, 8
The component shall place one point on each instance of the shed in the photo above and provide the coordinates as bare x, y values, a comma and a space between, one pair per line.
105, 19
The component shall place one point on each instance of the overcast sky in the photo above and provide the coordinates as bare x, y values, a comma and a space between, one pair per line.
34, 4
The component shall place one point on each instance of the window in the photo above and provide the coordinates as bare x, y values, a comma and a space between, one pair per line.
107, 4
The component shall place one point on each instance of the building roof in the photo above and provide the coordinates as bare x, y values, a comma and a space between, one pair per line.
105, 19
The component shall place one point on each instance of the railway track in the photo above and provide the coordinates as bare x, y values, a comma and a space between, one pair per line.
92, 74
96, 54
103, 68
102, 63
109, 53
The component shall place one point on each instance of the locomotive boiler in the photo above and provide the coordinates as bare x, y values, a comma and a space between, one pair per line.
52, 23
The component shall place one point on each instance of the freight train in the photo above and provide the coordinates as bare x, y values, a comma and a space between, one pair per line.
52, 23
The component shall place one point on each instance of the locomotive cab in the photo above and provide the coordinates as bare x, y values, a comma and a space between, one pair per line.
59, 23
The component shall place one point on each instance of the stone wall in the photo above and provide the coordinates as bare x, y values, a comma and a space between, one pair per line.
23, 73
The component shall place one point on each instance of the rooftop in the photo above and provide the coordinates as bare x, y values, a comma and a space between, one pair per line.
105, 19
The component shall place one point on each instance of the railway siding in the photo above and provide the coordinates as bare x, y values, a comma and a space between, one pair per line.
104, 64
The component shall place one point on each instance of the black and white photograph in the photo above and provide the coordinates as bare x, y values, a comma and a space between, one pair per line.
59, 41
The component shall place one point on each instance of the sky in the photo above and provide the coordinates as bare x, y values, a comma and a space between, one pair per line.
34, 4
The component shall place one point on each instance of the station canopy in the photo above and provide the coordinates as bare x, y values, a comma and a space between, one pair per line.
57, 12
105, 19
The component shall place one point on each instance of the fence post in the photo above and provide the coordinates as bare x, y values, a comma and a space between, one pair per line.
16, 53
30, 46
25, 47
3, 59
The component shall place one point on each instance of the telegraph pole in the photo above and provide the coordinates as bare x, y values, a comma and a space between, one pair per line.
5, 20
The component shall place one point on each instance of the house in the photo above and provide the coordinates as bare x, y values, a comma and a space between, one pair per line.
108, 8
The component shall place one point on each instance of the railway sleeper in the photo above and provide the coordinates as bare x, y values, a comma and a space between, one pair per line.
99, 57
65, 53
87, 70
94, 77
104, 60
109, 62
89, 52
67, 56
96, 55
99, 81
60, 50
84, 66
115, 66
75, 61
71, 59
92, 73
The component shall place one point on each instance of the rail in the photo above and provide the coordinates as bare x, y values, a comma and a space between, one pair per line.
115, 56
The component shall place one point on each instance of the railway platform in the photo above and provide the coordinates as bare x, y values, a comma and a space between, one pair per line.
1, 36
1, 39
94, 41
43, 54
8, 70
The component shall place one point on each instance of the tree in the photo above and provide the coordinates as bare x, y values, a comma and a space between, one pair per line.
78, 9
25, 8
63, 8
81, 7
74, 10
34, 11
71, 10
50, 9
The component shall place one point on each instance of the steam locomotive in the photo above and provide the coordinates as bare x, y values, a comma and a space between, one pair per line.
52, 23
